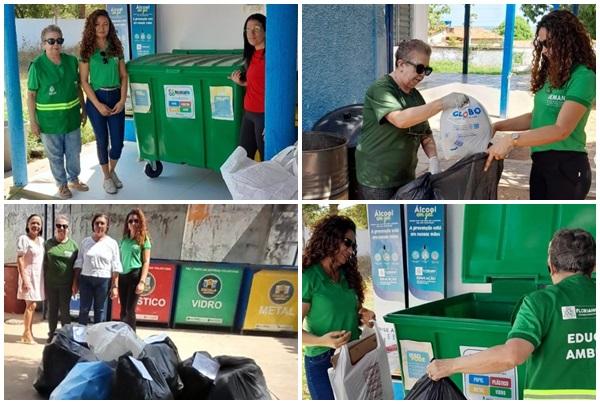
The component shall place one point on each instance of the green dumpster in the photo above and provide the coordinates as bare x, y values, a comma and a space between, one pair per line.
505, 245
208, 294
186, 109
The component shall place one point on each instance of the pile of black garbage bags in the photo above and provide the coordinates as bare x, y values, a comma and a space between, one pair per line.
108, 361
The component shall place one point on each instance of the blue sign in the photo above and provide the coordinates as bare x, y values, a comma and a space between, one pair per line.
119, 15
143, 30
385, 231
425, 253
74, 308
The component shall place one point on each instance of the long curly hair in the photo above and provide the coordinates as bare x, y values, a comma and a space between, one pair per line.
142, 234
327, 236
569, 44
88, 42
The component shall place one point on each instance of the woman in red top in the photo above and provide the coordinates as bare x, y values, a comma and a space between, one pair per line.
252, 76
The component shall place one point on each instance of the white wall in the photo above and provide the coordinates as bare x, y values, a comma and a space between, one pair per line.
420, 23
29, 30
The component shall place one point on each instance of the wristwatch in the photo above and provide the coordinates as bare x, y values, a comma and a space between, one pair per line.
515, 137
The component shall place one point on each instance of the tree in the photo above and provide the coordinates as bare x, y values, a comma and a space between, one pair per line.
358, 213
587, 14
522, 29
311, 214
435, 14
55, 10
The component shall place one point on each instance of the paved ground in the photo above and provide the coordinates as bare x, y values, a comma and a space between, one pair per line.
277, 356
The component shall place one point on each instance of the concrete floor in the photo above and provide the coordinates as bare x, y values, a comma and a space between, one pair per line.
177, 182
277, 356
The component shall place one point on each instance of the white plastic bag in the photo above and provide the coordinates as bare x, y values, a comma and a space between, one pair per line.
273, 179
112, 339
465, 131
367, 379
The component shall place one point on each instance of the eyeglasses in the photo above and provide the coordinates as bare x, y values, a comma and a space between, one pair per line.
350, 243
258, 29
421, 68
542, 44
133, 221
104, 57
62, 226
52, 41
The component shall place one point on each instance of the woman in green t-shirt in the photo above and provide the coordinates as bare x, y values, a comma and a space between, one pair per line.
563, 80
333, 293
135, 258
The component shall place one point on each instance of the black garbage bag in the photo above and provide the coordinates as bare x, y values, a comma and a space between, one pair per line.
166, 358
239, 379
427, 389
58, 358
463, 180
131, 383
196, 384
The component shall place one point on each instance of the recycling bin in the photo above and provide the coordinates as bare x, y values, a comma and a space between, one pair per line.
269, 299
185, 107
11, 284
208, 294
505, 245
155, 302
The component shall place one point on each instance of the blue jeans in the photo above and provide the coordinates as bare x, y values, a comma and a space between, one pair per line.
107, 128
316, 375
63, 151
93, 289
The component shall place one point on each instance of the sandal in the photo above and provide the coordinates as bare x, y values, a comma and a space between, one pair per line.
26, 341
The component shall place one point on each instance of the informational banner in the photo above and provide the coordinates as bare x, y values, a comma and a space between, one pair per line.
416, 356
385, 231
489, 386
74, 308
221, 103
155, 302
273, 301
119, 15
143, 30
425, 253
140, 95
179, 101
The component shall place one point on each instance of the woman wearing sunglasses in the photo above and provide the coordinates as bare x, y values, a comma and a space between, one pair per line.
104, 80
30, 257
563, 80
252, 76
135, 257
56, 110
395, 124
97, 270
59, 260
333, 293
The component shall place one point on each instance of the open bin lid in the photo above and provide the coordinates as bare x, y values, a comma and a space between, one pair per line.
510, 242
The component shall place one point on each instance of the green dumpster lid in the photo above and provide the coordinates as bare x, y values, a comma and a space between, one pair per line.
511, 241
191, 60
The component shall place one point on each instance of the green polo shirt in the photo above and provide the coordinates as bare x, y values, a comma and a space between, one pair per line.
580, 88
333, 306
57, 106
386, 156
104, 75
131, 254
59, 259
560, 322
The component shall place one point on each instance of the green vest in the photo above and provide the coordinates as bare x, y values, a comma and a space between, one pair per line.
58, 262
57, 106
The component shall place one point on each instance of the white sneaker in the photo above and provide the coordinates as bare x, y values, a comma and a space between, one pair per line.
116, 180
109, 186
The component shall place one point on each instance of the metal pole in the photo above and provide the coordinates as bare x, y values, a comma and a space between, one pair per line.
467, 37
389, 31
509, 34
12, 91
281, 78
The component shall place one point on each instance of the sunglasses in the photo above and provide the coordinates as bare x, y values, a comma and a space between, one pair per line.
256, 30
52, 41
62, 226
104, 57
349, 243
133, 221
421, 68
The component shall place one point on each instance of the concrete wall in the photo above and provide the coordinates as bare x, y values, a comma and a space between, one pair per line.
484, 57
343, 52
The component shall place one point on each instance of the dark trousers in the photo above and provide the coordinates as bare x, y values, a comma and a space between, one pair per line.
317, 378
127, 296
92, 290
59, 299
251, 134
558, 175
107, 127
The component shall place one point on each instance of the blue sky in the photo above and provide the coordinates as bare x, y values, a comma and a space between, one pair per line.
488, 15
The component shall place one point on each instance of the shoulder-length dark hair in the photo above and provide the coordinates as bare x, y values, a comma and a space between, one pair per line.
327, 237
249, 49
569, 44
142, 235
88, 41
99, 215
41, 222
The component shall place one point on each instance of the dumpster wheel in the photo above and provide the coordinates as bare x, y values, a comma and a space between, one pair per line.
153, 169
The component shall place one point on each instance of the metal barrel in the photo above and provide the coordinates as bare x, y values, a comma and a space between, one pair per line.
324, 166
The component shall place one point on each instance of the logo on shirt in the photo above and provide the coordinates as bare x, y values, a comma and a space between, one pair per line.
555, 100
281, 292
578, 312
51, 91
568, 312
209, 286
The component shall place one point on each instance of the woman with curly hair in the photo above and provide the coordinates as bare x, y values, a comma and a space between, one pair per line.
333, 293
135, 257
104, 81
563, 79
